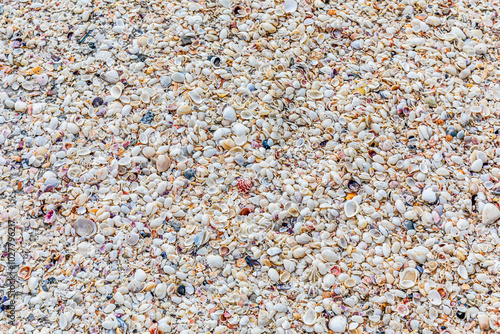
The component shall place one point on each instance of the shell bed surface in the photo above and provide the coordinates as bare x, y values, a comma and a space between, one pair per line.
251, 167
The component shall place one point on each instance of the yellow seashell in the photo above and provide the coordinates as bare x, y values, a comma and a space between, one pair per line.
150, 70
360, 91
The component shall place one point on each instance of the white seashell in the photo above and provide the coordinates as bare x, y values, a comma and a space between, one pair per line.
274, 251
161, 290
338, 324
429, 195
20, 106
116, 92
273, 275
408, 278
195, 97
490, 213
351, 208
290, 6
215, 261
84, 227
434, 297
329, 280
33, 283
462, 271
140, 275
145, 97
329, 255
178, 77
132, 238
111, 77
310, 317
418, 254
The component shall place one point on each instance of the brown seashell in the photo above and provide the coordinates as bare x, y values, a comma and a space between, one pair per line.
162, 163
223, 251
24, 272
442, 292
245, 212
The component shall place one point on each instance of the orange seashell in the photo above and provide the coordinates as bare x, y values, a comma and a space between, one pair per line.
245, 212
24, 272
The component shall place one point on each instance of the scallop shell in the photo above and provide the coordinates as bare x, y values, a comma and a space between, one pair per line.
84, 227
215, 261
351, 208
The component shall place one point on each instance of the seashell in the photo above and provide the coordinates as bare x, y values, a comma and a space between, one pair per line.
112, 77
24, 272
215, 61
290, 6
20, 106
84, 227
116, 91
195, 97
490, 213
462, 272
350, 282
273, 275
315, 94
285, 276
329, 280
434, 297
338, 324
140, 275
135, 286
42, 79
162, 163
145, 97
403, 310
351, 208
408, 278
132, 238
310, 317
273, 251
201, 238
178, 77
215, 261
418, 254
33, 283
161, 291
224, 251
329, 255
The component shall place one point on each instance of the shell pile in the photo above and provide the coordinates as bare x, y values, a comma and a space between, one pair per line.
251, 166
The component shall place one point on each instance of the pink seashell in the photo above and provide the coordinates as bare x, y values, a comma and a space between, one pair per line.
244, 185
335, 270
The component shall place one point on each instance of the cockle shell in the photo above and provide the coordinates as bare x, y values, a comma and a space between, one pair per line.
132, 238
111, 77
215, 261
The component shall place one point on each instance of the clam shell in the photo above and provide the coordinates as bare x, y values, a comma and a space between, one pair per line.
111, 77
116, 91
162, 163
351, 208
84, 227
290, 6
408, 278
310, 317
